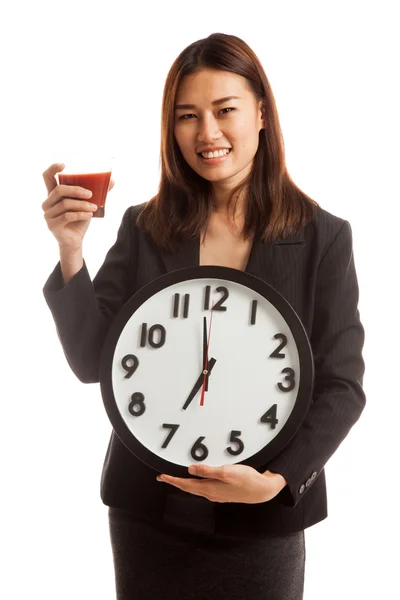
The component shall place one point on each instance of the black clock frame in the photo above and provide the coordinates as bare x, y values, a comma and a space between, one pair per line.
306, 386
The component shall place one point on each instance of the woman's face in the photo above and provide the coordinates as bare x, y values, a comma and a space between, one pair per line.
233, 123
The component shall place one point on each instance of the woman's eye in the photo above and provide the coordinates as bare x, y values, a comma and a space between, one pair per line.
227, 109
187, 116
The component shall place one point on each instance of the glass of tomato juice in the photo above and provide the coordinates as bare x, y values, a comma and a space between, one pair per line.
90, 172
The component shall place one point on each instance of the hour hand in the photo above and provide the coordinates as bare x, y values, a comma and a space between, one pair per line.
199, 383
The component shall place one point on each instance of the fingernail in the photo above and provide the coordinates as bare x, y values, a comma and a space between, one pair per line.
87, 193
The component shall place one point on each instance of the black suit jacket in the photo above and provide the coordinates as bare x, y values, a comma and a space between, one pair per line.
314, 270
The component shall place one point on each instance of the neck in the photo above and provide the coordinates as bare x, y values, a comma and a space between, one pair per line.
222, 219
222, 205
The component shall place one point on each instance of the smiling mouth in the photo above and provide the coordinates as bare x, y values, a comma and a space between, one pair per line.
214, 159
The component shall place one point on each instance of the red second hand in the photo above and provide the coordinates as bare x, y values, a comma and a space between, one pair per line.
206, 366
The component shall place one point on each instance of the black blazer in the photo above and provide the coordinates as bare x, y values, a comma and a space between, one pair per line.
314, 270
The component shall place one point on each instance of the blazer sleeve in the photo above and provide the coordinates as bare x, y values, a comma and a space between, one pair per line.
83, 310
337, 340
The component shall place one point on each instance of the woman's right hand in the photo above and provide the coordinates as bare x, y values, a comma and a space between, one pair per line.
67, 210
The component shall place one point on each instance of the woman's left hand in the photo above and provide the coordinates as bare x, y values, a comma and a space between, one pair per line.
229, 483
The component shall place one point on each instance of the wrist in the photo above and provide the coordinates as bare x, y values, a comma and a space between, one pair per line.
70, 254
276, 480
71, 262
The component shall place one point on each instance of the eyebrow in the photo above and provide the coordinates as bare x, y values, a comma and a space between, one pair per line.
214, 103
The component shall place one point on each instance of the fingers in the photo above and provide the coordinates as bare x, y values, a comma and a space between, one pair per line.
65, 191
207, 471
49, 176
111, 184
66, 205
69, 217
191, 486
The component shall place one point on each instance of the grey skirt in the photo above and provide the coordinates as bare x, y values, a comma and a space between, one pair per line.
181, 556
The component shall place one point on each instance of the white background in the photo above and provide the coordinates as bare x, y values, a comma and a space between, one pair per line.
90, 75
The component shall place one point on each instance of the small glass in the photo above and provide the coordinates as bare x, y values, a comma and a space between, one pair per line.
90, 171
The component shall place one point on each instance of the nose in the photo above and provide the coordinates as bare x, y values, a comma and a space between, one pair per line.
208, 129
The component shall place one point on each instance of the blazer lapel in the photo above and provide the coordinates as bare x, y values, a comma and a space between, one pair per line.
271, 261
188, 255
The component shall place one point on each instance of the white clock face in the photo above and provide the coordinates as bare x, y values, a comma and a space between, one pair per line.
253, 368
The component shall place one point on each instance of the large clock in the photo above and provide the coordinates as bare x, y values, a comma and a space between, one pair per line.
206, 364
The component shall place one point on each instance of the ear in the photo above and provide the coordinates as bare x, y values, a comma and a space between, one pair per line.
262, 110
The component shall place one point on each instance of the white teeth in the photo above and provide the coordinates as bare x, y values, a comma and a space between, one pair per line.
216, 153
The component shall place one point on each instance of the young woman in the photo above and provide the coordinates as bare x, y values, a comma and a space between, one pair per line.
233, 532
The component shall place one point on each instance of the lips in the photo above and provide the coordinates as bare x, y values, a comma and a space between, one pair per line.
214, 162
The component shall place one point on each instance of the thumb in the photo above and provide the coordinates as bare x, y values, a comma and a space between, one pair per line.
49, 176
207, 471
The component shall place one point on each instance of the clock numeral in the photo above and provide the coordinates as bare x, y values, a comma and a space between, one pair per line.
253, 312
207, 292
150, 338
186, 300
174, 429
198, 446
277, 353
270, 416
290, 378
218, 306
130, 369
234, 438
137, 399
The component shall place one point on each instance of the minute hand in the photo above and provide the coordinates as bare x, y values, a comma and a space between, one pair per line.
199, 383
205, 345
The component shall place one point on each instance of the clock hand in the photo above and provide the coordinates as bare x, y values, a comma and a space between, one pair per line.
199, 383
205, 347
206, 369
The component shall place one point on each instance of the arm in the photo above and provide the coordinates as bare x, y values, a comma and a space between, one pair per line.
70, 264
83, 310
337, 340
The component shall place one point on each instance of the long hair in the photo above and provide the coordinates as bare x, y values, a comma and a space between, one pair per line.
274, 205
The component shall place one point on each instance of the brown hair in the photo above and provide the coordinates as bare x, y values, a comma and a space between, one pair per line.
275, 206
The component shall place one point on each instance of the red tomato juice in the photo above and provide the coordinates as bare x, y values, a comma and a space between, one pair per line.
97, 183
